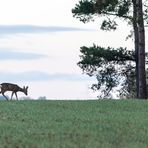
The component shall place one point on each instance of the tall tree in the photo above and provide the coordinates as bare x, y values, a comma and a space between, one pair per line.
141, 51
136, 43
112, 9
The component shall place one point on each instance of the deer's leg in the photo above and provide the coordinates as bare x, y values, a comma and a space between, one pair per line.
16, 95
5, 97
12, 95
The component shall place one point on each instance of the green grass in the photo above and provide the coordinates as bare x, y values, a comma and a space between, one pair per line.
74, 124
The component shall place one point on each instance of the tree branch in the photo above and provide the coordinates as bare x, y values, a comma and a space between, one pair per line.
115, 14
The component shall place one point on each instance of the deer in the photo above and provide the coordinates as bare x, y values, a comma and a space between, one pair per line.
12, 87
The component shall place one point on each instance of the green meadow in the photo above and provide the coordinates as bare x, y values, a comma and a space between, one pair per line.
74, 124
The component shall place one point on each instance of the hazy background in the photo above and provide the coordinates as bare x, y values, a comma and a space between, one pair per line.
40, 43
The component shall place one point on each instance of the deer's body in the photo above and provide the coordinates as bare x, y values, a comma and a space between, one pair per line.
12, 87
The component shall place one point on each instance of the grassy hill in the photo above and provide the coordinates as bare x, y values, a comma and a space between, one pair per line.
74, 124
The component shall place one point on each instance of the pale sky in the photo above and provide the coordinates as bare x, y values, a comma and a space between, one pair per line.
39, 47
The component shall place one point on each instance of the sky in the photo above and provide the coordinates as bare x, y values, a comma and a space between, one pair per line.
40, 44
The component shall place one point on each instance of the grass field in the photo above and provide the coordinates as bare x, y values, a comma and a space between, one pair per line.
74, 124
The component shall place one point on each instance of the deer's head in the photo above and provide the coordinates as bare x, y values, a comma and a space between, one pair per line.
25, 90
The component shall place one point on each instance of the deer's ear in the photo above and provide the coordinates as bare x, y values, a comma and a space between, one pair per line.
26, 87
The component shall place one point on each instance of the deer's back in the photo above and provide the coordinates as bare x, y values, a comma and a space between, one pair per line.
9, 87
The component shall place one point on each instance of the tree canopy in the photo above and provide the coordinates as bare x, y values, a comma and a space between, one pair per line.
110, 10
108, 65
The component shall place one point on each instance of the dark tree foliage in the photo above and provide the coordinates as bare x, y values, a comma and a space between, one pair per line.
110, 67
128, 87
86, 10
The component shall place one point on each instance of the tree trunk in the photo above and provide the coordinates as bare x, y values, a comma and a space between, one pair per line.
136, 40
141, 52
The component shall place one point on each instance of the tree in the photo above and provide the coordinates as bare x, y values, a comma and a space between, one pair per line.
141, 50
127, 10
